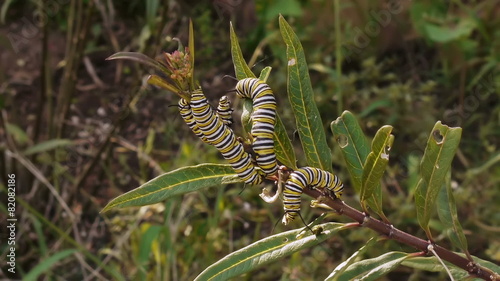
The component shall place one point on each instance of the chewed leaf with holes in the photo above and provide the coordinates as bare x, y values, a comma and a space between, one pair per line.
268, 250
309, 125
354, 146
355, 149
173, 183
376, 163
441, 147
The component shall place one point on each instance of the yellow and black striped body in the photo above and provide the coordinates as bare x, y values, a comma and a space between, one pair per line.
263, 121
187, 115
225, 111
309, 177
223, 138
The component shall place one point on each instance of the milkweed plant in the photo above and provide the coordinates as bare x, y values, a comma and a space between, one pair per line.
265, 135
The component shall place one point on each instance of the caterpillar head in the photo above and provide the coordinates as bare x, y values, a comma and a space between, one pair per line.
244, 87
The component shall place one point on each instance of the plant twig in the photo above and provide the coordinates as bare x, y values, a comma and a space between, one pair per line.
391, 232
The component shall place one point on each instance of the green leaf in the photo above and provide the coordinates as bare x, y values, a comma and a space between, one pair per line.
433, 265
355, 149
191, 54
19, 135
341, 268
264, 74
376, 163
372, 269
441, 147
246, 117
301, 96
267, 250
180, 181
283, 145
47, 145
47, 263
241, 68
353, 144
149, 234
444, 33
447, 212
140, 58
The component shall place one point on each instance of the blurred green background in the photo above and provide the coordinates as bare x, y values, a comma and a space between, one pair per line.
78, 130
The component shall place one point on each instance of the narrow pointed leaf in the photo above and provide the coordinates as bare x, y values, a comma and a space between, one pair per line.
282, 143
441, 147
173, 183
301, 96
341, 268
267, 250
47, 263
241, 68
162, 83
264, 74
376, 163
138, 57
433, 265
246, 117
47, 145
191, 53
372, 269
355, 149
447, 212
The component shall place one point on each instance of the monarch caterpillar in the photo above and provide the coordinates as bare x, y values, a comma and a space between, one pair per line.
263, 120
187, 115
223, 138
311, 178
224, 110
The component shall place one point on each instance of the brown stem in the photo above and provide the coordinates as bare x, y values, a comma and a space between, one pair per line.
391, 232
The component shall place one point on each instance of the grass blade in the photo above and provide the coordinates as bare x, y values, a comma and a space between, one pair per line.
267, 250
301, 96
441, 147
372, 269
47, 145
47, 263
341, 268
173, 183
376, 163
